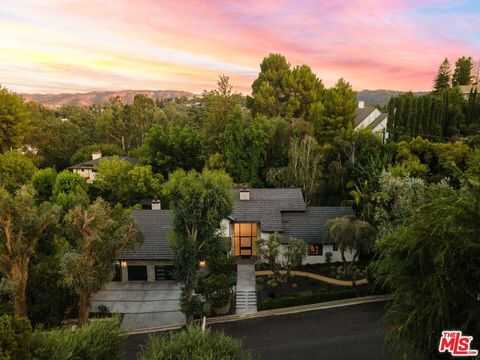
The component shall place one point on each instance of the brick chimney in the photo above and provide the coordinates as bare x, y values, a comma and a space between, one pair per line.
156, 204
96, 155
244, 194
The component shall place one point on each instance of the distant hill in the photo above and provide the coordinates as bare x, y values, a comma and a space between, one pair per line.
101, 97
381, 97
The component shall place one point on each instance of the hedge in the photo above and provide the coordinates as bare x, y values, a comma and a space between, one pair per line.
305, 298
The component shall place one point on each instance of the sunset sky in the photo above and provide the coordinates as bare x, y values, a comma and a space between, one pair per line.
53, 46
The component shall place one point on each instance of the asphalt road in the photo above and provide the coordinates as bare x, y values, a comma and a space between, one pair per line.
349, 332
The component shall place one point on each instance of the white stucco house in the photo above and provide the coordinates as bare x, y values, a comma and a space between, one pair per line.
371, 117
87, 168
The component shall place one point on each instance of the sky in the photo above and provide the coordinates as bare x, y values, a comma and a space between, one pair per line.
54, 46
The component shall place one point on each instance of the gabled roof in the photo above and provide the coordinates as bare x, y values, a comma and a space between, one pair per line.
377, 121
91, 163
362, 113
310, 225
266, 206
156, 226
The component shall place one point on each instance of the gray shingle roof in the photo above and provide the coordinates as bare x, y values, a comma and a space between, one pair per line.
156, 226
310, 225
377, 121
266, 206
362, 113
92, 163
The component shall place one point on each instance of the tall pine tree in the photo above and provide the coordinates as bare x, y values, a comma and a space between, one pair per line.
442, 80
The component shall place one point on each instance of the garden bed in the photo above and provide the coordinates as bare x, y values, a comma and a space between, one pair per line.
300, 290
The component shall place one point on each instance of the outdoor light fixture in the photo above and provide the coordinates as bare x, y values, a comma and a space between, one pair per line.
123, 263
203, 263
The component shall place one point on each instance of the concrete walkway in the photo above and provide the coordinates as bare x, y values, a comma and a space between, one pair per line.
246, 295
317, 277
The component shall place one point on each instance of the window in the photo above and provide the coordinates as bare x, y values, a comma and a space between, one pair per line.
315, 249
245, 236
335, 247
137, 273
163, 272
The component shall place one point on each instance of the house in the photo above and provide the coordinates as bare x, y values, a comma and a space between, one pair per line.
87, 168
143, 289
369, 116
467, 89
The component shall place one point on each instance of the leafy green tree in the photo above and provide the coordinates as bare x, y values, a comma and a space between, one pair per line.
199, 202
442, 80
21, 223
171, 145
43, 181
143, 115
218, 113
15, 170
395, 200
100, 233
336, 113
271, 90
350, 234
119, 181
85, 153
244, 149
14, 120
66, 182
463, 71
429, 262
304, 168
282, 91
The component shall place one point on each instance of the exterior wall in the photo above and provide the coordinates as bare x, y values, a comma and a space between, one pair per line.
380, 128
150, 267
318, 259
87, 174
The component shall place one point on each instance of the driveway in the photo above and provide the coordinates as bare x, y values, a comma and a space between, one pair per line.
349, 332
144, 304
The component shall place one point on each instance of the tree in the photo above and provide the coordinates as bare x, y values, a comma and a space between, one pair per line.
463, 71
350, 234
244, 149
14, 120
199, 202
270, 249
442, 80
429, 263
100, 234
171, 145
22, 222
15, 170
336, 113
304, 168
119, 181
43, 182
218, 113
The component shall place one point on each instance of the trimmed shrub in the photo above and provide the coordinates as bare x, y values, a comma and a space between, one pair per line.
15, 335
193, 344
305, 298
100, 340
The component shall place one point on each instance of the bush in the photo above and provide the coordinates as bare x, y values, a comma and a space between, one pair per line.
217, 290
193, 344
100, 340
305, 298
15, 335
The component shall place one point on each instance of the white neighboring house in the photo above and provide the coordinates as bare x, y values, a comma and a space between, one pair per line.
466, 89
370, 116
87, 170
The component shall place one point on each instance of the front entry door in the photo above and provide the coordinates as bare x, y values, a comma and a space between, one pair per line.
246, 246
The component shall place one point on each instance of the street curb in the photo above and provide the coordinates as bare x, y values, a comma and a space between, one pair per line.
275, 312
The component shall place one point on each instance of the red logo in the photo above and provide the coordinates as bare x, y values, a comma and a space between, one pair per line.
457, 344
